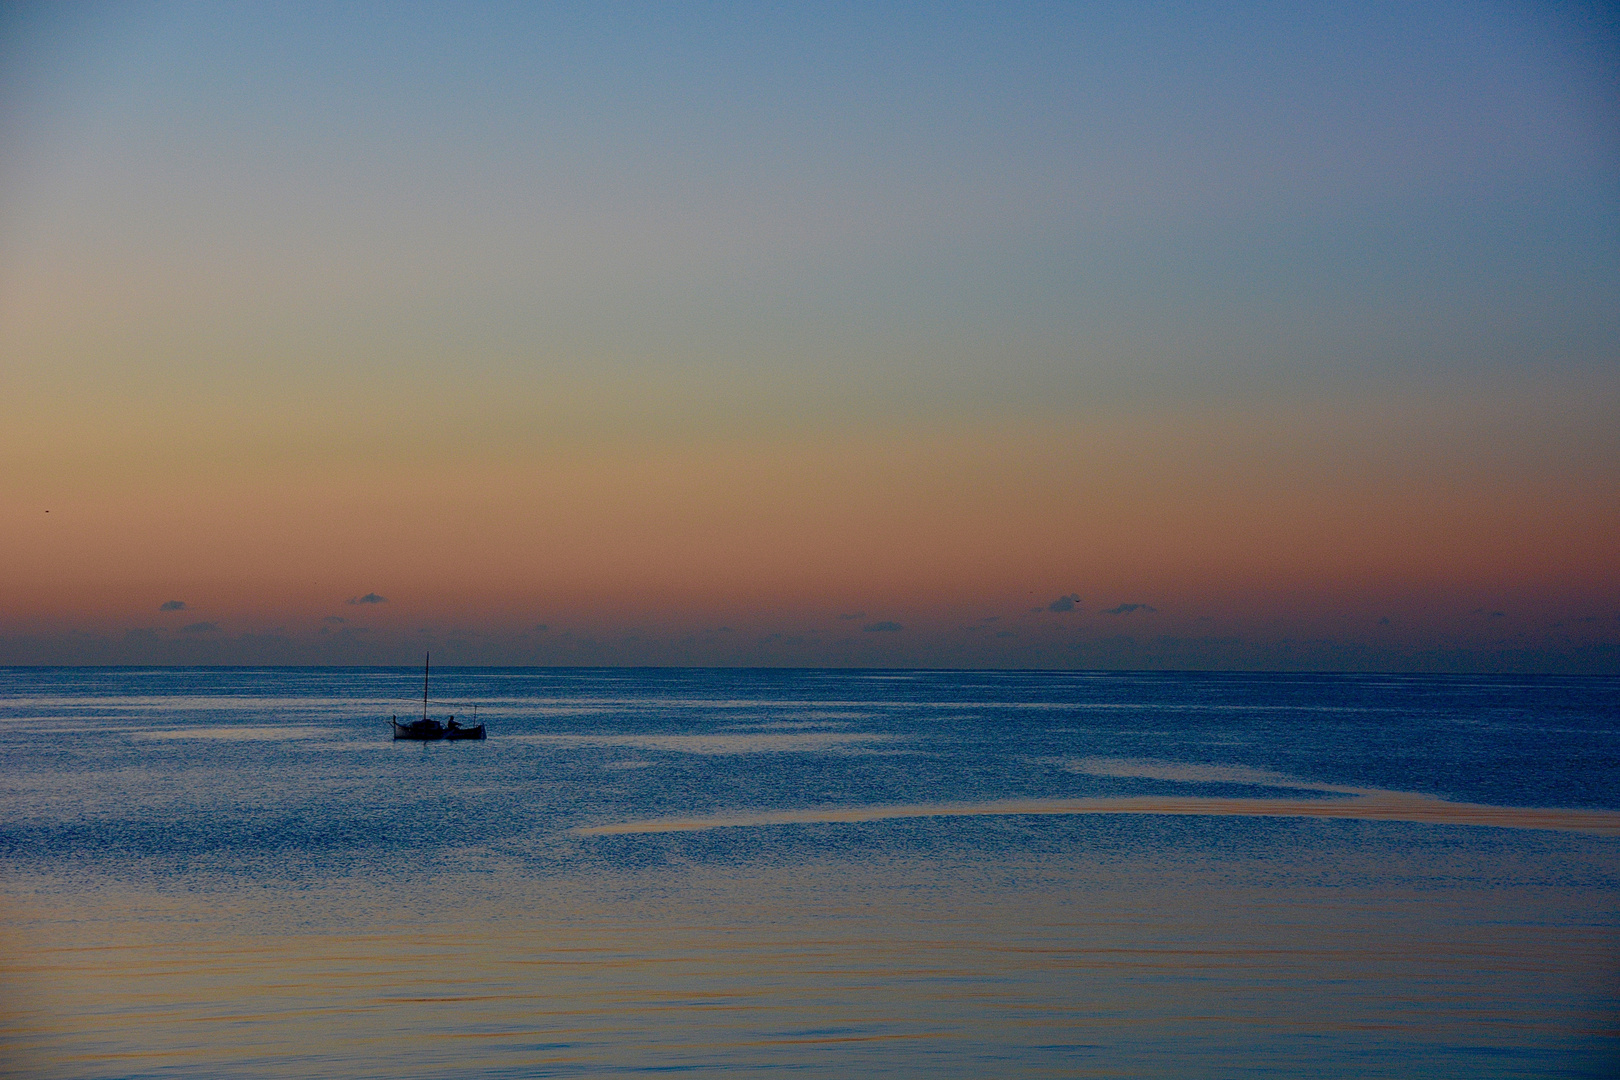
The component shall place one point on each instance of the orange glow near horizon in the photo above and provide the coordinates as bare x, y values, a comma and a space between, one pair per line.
1238, 516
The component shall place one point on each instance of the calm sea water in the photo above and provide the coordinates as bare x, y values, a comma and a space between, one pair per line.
817, 873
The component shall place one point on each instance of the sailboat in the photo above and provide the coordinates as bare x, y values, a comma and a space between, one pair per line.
424, 730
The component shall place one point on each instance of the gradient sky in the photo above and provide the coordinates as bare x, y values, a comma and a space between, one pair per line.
1271, 335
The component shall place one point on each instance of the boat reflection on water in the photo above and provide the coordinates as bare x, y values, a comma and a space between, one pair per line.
427, 730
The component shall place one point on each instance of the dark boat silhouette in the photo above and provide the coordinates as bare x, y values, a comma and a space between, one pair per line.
426, 730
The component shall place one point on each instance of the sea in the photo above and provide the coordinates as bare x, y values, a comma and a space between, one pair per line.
238, 872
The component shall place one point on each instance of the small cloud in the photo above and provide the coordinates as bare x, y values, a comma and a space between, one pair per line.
1126, 609
724, 630
1384, 621
988, 619
200, 628
1490, 614
883, 628
369, 598
336, 620
1064, 603
539, 628
852, 616
172, 605
1006, 633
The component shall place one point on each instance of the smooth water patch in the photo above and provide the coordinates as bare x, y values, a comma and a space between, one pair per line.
1367, 805
726, 742
1181, 772
237, 732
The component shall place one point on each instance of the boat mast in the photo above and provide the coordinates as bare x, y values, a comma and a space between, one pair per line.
425, 658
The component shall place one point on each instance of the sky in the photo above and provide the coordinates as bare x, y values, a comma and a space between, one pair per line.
1265, 336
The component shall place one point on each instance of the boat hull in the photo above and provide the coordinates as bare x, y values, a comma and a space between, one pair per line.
433, 731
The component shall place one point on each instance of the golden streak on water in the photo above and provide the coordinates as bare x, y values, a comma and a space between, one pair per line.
721, 969
1365, 805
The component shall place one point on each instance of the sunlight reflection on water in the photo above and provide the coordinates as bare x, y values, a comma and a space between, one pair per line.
904, 970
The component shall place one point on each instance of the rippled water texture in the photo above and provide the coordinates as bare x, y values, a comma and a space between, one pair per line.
239, 873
